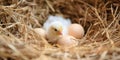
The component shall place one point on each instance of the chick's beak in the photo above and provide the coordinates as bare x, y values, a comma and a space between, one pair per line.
60, 33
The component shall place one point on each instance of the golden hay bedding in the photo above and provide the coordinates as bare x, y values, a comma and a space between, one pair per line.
100, 19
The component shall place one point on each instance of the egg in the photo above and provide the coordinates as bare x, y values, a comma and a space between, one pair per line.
76, 30
66, 42
40, 31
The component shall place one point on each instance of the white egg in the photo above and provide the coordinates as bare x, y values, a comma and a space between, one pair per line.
40, 31
67, 41
76, 30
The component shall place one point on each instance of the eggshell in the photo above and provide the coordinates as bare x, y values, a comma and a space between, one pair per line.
40, 31
76, 30
67, 41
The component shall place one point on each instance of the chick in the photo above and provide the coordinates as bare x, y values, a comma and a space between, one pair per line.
55, 26
54, 31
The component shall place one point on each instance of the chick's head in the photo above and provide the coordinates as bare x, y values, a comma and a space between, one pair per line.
56, 28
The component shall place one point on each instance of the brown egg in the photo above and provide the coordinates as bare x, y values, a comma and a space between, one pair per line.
40, 31
66, 42
76, 30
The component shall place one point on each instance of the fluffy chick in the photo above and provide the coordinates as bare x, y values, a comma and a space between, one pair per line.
54, 31
55, 26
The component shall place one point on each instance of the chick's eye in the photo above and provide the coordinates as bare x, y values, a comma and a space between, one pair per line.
55, 29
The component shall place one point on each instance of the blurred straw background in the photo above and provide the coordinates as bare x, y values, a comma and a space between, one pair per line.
100, 19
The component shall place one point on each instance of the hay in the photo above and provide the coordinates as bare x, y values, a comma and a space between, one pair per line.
18, 40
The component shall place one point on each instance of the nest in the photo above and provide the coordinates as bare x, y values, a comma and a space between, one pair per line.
100, 19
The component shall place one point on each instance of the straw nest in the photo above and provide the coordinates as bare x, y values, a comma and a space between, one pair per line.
18, 40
